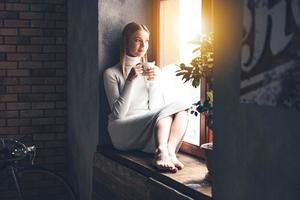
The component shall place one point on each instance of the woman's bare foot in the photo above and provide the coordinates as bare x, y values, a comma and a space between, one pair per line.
162, 161
179, 165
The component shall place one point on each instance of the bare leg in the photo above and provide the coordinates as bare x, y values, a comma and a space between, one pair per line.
162, 159
177, 131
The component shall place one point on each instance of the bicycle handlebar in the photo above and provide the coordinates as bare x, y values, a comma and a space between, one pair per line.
14, 150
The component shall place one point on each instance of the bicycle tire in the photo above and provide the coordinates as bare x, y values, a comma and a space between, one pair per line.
38, 183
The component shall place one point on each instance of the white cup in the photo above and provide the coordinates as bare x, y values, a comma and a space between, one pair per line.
148, 65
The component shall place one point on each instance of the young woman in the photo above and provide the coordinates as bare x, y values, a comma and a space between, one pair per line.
139, 119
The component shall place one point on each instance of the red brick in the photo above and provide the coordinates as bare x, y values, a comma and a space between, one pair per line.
8, 31
42, 105
1, 39
31, 113
52, 48
43, 72
31, 15
8, 65
30, 129
29, 48
18, 72
43, 7
19, 89
2, 122
10, 81
11, 23
42, 24
42, 40
17, 40
8, 98
2, 106
43, 57
43, 121
9, 15
18, 122
54, 64
1, 6
31, 1
42, 129
18, 56
10, 40
33, 81
17, 7
31, 97
7, 48
2, 72
55, 113
43, 89
31, 32
8, 114
2, 56
30, 65
18, 106
8, 130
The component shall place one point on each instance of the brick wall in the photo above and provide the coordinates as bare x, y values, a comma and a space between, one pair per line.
32, 76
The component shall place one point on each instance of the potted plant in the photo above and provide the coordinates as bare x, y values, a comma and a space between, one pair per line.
201, 68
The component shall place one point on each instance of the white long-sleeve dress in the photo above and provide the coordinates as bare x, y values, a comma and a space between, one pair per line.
136, 106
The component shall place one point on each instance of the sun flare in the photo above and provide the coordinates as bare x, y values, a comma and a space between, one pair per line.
190, 26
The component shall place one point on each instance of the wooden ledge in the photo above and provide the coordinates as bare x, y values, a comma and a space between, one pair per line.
189, 181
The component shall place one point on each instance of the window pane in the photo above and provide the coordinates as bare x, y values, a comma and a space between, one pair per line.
180, 24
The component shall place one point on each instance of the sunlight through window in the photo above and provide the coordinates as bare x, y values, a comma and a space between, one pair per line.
180, 25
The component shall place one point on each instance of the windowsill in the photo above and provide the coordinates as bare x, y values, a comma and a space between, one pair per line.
189, 180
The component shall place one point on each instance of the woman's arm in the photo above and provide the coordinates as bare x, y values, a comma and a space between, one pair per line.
119, 101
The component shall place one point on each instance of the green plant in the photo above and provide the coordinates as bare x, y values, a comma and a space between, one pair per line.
201, 67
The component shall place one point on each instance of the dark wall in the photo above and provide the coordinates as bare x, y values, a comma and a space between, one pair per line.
83, 91
93, 45
256, 147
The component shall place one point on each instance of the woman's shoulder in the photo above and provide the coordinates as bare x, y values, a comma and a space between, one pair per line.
114, 70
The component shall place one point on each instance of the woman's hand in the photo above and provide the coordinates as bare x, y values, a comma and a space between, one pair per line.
152, 73
135, 72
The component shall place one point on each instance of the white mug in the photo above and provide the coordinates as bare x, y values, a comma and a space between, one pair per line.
148, 65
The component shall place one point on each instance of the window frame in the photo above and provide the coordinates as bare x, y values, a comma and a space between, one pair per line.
206, 134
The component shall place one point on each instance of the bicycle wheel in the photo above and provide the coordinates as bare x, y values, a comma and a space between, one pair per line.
37, 183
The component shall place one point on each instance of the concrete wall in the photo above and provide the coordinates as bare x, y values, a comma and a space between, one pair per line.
83, 91
113, 16
93, 45
256, 147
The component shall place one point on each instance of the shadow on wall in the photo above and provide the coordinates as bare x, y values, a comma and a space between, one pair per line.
109, 46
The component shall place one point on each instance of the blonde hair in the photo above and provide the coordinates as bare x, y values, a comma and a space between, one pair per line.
128, 30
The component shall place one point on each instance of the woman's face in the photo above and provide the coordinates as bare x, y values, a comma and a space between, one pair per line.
138, 44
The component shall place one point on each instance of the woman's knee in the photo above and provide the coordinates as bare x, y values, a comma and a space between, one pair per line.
183, 114
164, 121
